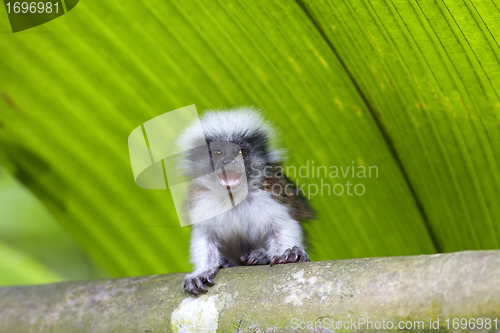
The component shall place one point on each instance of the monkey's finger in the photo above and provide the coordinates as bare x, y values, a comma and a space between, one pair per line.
278, 260
190, 287
210, 281
200, 285
252, 261
244, 259
286, 255
274, 260
303, 256
293, 257
186, 285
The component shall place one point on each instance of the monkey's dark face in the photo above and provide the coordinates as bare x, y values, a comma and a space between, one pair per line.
246, 156
228, 164
231, 163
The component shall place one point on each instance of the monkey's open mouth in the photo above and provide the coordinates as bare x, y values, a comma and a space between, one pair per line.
229, 178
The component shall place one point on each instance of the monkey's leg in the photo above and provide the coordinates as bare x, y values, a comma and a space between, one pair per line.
285, 245
206, 257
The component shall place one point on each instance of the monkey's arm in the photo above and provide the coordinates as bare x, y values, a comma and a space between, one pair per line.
285, 244
206, 257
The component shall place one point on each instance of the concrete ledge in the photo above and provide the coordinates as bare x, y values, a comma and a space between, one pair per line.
303, 297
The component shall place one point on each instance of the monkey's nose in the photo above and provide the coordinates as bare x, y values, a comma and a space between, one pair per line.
228, 160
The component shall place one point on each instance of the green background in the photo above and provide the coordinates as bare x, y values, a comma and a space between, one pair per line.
407, 86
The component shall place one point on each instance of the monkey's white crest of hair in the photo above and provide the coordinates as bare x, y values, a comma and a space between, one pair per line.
229, 125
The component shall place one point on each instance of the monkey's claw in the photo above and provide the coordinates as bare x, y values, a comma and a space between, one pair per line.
193, 284
257, 257
295, 254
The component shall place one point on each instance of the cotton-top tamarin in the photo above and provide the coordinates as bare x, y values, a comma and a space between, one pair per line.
261, 229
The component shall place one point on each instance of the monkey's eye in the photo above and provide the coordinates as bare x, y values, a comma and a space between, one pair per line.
217, 152
243, 153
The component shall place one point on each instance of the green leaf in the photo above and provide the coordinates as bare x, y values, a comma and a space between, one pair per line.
27, 226
430, 74
349, 83
20, 269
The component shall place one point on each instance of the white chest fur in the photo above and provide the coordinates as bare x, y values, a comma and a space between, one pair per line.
249, 221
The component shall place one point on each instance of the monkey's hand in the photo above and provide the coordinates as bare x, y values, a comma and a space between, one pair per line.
226, 263
257, 257
193, 283
295, 254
